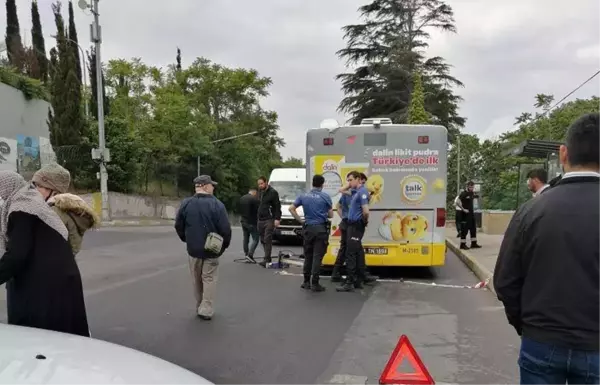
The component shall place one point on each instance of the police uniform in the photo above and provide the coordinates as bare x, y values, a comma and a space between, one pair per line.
344, 203
468, 224
316, 206
355, 257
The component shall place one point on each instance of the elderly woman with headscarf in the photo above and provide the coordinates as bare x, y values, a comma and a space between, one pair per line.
44, 287
52, 181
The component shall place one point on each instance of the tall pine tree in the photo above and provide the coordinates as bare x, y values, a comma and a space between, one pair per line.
74, 41
416, 109
386, 49
14, 45
39, 45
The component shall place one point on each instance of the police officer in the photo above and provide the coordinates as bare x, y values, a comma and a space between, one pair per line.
358, 217
317, 209
468, 225
342, 209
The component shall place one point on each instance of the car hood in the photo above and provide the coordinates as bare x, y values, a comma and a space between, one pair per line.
35, 356
285, 210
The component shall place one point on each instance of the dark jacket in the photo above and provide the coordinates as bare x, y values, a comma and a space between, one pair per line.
43, 282
270, 206
547, 269
249, 209
198, 216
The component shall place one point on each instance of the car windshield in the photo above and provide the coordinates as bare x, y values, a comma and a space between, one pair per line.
288, 191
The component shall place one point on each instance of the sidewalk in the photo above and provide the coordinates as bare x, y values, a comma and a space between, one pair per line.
480, 261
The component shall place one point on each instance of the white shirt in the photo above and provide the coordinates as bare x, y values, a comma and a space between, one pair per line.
538, 192
581, 173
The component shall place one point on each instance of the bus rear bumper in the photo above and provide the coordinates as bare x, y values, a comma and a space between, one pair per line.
418, 255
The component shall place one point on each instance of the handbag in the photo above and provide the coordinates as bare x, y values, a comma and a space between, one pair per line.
213, 243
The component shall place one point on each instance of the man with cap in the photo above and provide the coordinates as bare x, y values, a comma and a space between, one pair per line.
52, 181
200, 221
317, 211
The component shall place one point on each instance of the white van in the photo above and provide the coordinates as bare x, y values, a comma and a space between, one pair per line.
289, 183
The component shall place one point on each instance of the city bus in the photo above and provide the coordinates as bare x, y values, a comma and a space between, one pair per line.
406, 166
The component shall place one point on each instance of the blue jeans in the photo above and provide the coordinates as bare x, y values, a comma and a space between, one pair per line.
541, 363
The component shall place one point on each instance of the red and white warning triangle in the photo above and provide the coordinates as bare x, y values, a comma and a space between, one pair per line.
403, 357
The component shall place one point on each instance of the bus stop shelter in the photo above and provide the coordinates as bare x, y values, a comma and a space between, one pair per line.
542, 154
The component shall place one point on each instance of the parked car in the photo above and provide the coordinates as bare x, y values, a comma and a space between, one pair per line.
36, 356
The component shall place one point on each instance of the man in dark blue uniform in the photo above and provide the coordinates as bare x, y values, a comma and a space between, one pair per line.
342, 209
358, 218
317, 209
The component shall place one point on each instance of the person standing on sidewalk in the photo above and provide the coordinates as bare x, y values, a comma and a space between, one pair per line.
269, 215
547, 270
537, 181
202, 223
342, 208
468, 224
318, 208
458, 215
249, 218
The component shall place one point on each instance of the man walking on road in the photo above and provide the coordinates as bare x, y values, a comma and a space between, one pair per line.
249, 218
537, 181
269, 215
468, 224
317, 209
547, 270
202, 223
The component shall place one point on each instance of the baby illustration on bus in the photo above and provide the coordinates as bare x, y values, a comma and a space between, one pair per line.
397, 227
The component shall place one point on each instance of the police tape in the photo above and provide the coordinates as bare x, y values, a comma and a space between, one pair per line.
478, 285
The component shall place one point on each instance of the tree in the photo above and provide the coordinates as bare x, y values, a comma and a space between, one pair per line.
14, 45
387, 48
178, 58
39, 45
74, 42
416, 109
292, 162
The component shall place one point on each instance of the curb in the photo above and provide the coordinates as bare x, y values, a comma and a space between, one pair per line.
480, 271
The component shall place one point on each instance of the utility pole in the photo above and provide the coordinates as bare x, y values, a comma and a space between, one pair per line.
458, 165
102, 154
224, 140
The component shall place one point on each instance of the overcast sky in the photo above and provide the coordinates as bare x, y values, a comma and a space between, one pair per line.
505, 51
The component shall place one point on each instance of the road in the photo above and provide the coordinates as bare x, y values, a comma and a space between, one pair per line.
267, 330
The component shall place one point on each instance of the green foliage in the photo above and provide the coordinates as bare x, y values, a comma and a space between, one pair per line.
31, 88
292, 162
39, 45
14, 45
416, 109
385, 50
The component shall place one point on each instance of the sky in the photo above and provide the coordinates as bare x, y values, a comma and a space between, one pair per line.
505, 52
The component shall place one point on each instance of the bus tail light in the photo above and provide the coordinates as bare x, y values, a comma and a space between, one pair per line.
327, 141
440, 217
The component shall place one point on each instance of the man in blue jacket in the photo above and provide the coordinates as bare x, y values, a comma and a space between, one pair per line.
199, 216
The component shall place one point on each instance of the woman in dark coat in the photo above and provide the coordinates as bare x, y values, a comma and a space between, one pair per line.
44, 287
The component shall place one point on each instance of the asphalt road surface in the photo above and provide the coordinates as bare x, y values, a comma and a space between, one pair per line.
267, 330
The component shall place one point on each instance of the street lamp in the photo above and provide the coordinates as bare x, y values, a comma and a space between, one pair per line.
101, 154
224, 140
87, 107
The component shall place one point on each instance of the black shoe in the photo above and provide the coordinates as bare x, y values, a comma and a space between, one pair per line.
475, 245
464, 247
358, 285
263, 264
457, 235
316, 287
205, 317
305, 286
336, 278
346, 287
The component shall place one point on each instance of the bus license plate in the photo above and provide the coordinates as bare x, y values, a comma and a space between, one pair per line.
376, 250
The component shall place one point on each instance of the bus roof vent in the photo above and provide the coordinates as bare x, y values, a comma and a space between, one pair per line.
375, 121
330, 124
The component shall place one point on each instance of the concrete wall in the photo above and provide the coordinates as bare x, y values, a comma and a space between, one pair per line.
123, 206
25, 120
495, 221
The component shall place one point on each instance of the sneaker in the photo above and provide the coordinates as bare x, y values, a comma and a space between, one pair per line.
305, 286
250, 259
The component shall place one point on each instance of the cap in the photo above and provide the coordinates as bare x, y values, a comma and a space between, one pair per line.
54, 177
204, 179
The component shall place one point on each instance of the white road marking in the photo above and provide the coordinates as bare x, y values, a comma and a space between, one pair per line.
348, 379
129, 281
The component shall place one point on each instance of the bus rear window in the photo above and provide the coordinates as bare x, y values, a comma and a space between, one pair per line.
375, 139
